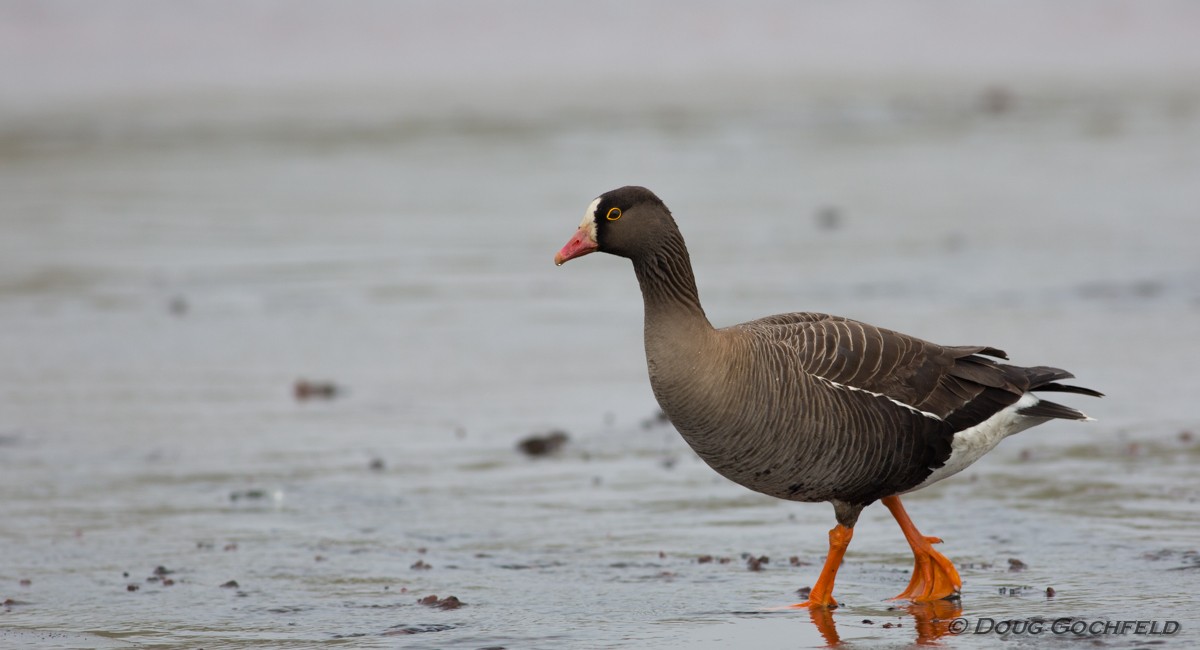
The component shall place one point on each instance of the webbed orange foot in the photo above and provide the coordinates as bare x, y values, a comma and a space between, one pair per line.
934, 577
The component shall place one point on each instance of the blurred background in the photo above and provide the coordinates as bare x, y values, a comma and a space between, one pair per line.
278, 304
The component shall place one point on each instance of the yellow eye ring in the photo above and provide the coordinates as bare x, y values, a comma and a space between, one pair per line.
613, 214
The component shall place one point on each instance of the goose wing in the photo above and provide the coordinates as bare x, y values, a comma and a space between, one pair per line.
958, 385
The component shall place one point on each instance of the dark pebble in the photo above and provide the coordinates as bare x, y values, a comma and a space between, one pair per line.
890, 625
167, 582
796, 561
421, 565
177, 306
803, 592
161, 570
304, 389
704, 559
756, 563
1050, 593
232, 584
249, 495
449, 602
996, 100
132, 587
829, 218
542, 445
1015, 565
867, 621
415, 629
25, 582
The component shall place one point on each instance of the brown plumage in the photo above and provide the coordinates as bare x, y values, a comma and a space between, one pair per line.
812, 407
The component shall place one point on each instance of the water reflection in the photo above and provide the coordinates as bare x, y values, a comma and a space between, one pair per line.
930, 620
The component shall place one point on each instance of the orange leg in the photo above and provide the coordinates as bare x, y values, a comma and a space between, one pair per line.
821, 595
934, 577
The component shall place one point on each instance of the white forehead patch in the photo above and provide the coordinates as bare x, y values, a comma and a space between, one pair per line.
589, 220
590, 215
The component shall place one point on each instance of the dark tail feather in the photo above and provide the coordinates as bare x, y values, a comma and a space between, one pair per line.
1066, 388
1046, 378
1044, 409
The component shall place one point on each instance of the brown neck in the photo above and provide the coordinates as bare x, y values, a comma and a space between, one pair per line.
669, 288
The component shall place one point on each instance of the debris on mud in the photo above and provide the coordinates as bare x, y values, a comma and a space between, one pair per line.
304, 390
544, 444
449, 602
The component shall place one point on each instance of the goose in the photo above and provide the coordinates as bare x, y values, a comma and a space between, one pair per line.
812, 407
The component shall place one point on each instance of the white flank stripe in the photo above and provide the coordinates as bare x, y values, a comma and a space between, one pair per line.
871, 392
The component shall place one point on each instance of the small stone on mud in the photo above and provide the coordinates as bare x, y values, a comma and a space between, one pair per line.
828, 218
1015, 565
803, 592
177, 305
231, 546
796, 561
704, 559
304, 389
421, 565
132, 587
867, 621
25, 582
232, 584
415, 629
167, 582
755, 563
1050, 592
890, 625
724, 560
544, 444
161, 570
449, 602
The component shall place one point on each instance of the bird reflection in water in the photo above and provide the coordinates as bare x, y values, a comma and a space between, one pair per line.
931, 620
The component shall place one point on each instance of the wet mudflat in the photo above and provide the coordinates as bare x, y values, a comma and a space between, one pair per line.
269, 367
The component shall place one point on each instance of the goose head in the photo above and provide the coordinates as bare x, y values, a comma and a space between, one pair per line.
628, 222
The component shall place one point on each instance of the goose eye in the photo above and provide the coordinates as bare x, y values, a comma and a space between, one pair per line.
613, 214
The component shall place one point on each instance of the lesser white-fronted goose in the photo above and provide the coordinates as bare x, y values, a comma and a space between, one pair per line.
812, 407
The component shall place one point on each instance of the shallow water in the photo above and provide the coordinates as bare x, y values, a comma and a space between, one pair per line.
170, 268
